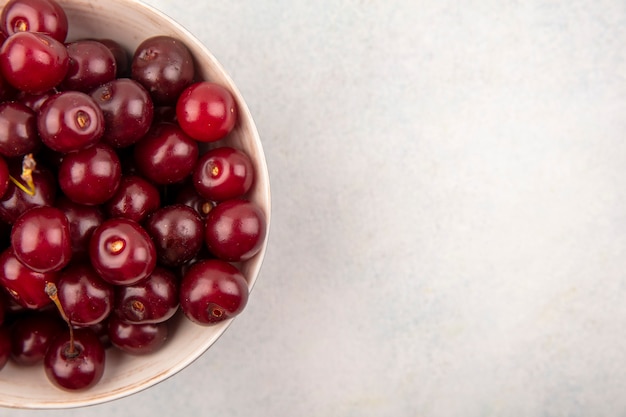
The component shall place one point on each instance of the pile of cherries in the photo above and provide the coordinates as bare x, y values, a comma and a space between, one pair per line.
118, 204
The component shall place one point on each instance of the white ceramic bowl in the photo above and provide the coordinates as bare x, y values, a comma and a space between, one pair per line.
129, 22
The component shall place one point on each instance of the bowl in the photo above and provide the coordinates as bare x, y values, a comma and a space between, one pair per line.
129, 22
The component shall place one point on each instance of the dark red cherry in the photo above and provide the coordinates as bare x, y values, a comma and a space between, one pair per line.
16, 200
75, 364
34, 101
212, 291
31, 334
86, 298
45, 16
177, 232
33, 62
188, 196
18, 130
164, 66
223, 173
70, 121
122, 252
83, 221
152, 300
206, 111
91, 64
128, 111
137, 338
235, 230
135, 199
166, 155
24, 285
41, 239
121, 55
90, 176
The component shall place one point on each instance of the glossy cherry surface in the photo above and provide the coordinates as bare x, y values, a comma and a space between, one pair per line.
91, 64
122, 252
25, 286
83, 220
134, 199
40, 239
178, 233
18, 130
70, 121
34, 16
152, 300
137, 338
90, 176
166, 155
33, 62
235, 230
128, 111
75, 366
4, 176
16, 201
223, 173
212, 291
32, 333
86, 298
206, 111
164, 66
5, 345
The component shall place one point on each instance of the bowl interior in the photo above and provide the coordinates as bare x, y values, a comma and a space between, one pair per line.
129, 22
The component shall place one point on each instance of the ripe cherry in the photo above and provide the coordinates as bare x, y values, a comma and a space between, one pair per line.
40, 239
212, 291
33, 62
206, 111
235, 230
122, 252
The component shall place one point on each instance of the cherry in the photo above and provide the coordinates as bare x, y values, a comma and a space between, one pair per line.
135, 199
164, 66
206, 111
86, 298
44, 16
177, 232
122, 252
166, 155
18, 199
121, 55
188, 196
83, 221
18, 130
152, 300
75, 360
40, 239
235, 230
90, 176
34, 101
128, 111
33, 62
24, 285
211, 291
31, 334
223, 173
92, 63
70, 121
137, 338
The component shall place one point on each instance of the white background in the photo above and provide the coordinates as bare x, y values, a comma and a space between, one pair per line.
449, 211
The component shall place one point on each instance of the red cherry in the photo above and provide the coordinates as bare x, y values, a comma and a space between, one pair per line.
206, 111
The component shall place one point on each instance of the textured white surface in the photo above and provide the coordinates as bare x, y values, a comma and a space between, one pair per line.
449, 207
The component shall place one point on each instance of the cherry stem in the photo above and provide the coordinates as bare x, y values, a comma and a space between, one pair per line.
28, 166
53, 293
